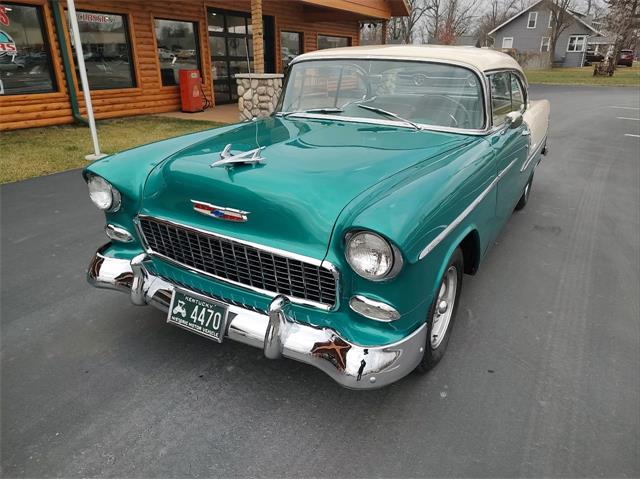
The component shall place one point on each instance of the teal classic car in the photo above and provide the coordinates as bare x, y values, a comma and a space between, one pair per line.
335, 232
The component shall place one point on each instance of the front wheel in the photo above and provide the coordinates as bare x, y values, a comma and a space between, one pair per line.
443, 312
525, 195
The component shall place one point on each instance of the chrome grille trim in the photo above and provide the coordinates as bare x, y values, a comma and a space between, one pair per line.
265, 270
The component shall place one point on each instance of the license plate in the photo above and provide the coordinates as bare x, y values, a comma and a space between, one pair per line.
198, 314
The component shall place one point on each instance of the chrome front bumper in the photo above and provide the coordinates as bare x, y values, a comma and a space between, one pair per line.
351, 365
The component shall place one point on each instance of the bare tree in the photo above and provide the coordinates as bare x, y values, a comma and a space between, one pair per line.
402, 29
458, 19
446, 20
499, 11
623, 21
561, 19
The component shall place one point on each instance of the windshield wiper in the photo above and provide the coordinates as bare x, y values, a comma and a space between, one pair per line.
390, 114
326, 110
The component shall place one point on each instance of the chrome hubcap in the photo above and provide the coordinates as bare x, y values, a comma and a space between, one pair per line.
526, 190
444, 306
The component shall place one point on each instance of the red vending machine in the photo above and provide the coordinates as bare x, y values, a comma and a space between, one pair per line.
191, 91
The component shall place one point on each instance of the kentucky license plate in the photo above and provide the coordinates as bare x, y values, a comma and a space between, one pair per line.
198, 314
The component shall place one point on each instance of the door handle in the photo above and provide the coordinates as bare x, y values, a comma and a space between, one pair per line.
526, 133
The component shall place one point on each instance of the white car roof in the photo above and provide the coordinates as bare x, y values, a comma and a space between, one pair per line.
483, 59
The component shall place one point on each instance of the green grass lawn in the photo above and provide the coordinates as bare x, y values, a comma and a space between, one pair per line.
40, 151
623, 76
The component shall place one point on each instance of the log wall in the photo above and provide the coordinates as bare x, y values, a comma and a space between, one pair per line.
149, 96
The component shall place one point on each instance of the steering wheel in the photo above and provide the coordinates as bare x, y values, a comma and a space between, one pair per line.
467, 115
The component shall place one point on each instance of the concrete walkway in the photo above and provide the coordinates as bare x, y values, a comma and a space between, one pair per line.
220, 113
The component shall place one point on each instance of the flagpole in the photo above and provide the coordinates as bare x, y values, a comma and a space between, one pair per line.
73, 20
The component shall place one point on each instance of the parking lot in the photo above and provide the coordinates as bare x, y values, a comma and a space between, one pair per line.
540, 378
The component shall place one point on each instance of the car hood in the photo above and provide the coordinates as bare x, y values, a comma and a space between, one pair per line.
311, 170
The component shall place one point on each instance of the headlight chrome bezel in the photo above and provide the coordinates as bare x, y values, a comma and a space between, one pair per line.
116, 198
396, 257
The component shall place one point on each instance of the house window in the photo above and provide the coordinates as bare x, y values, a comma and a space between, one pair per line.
290, 47
327, 41
507, 42
544, 44
550, 19
25, 59
533, 20
106, 49
177, 48
576, 43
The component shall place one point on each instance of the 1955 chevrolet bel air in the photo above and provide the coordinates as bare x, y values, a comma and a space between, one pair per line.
335, 232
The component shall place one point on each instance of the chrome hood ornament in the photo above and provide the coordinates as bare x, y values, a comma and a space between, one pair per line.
228, 159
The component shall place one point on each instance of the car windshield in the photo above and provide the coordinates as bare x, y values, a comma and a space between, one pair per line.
409, 92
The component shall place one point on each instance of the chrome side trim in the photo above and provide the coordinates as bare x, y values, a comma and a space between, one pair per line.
465, 213
537, 150
300, 301
277, 334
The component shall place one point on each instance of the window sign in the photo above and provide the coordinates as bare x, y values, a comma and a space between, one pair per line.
25, 59
106, 49
177, 48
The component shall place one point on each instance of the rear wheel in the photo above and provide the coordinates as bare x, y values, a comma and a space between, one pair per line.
442, 312
525, 195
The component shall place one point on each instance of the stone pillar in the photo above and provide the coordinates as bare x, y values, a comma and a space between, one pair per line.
383, 40
258, 40
258, 94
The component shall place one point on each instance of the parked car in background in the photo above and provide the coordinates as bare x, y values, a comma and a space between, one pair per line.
592, 57
335, 232
626, 58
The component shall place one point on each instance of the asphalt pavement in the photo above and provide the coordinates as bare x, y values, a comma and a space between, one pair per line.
541, 377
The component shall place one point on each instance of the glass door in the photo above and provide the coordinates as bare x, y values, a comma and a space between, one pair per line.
231, 46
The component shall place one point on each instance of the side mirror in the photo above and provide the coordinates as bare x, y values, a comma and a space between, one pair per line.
513, 120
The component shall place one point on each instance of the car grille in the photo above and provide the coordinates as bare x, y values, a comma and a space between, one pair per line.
237, 262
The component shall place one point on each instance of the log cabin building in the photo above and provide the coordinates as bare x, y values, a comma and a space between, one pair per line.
133, 50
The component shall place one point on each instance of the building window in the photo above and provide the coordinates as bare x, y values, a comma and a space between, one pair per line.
25, 59
550, 19
576, 43
106, 49
533, 20
290, 47
327, 41
544, 44
231, 48
177, 48
507, 42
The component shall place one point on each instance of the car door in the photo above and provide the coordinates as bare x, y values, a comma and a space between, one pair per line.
510, 144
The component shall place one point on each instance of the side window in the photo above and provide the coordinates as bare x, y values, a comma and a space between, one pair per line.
517, 95
500, 96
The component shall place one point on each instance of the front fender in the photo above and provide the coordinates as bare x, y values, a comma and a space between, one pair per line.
410, 210
128, 171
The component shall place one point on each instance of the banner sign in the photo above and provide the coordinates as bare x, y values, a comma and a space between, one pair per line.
93, 17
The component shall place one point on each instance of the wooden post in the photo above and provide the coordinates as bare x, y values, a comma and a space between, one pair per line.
258, 40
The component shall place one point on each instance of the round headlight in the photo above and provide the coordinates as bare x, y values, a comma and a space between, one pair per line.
370, 255
102, 194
